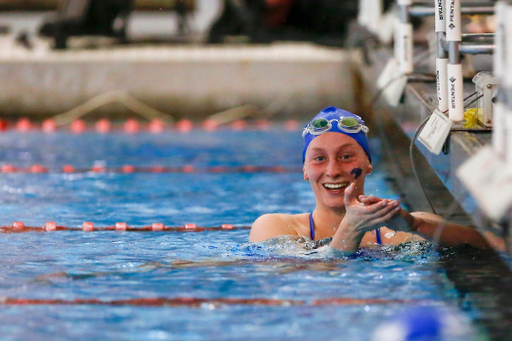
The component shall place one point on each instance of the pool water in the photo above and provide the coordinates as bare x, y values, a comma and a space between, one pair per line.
209, 285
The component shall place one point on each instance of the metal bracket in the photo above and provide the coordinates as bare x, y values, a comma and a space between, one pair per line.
485, 86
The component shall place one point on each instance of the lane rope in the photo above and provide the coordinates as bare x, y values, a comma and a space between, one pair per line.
193, 302
133, 126
126, 169
19, 227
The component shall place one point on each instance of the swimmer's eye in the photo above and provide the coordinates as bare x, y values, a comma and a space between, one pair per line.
319, 158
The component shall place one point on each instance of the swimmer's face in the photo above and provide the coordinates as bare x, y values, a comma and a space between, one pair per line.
334, 161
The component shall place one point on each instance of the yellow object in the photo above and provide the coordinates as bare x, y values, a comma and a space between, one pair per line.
471, 117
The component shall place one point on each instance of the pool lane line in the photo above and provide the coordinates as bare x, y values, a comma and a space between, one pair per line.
155, 126
193, 302
128, 169
19, 227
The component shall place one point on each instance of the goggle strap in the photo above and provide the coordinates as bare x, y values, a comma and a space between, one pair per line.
311, 129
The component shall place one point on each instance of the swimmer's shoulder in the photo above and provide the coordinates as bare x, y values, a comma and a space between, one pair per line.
277, 224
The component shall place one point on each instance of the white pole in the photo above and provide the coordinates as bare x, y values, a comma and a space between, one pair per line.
504, 69
499, 110
442, 60
370, 13
455, 81
404, 38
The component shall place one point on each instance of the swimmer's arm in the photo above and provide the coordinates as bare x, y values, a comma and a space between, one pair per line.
426, 225
437, 230
270, 226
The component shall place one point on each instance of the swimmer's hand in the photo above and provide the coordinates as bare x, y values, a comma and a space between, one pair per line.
401, 221
361, 218
369, 214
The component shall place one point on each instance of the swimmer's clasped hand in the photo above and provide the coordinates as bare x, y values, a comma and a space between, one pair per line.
402, 221
359, 219
367, 215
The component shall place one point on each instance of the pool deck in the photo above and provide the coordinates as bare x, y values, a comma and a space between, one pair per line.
185, 81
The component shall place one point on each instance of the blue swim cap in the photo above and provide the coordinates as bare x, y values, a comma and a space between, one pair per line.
333, 113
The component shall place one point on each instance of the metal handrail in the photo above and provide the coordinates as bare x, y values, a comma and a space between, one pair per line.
426, 9
479, 43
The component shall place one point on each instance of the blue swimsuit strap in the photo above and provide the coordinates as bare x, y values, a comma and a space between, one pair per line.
311, 226
379, 238
312, 230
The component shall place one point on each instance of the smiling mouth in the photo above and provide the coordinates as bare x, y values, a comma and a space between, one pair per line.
337, 186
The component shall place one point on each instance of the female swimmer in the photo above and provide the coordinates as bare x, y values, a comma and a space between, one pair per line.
336, 160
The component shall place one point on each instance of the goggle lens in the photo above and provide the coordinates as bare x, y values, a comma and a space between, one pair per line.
320, 123
350, 122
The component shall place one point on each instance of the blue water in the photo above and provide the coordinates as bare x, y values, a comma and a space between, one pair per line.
69, 265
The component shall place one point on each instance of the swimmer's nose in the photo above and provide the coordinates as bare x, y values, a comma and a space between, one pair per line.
333, 169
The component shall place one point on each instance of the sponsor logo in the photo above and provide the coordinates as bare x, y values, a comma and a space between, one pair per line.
438, 80
452, 95
452, 13
406, 48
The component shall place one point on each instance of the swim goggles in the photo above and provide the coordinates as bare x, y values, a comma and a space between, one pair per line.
346, 124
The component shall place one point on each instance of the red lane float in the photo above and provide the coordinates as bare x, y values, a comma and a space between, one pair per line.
68, 169
103, 126
263, 124
23, 125
131, 126
38, 169
128, 169
19, 227
238, 125
77, 127
98, 167
157, 227
88, 226
156, 126
210, 125
249, 169
184, 126
9, 169
188, 169
49, 126
120, 226
291, 125
3, 124
50, 226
